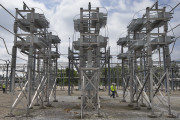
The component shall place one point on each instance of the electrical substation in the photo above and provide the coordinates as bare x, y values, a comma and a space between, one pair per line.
44, 87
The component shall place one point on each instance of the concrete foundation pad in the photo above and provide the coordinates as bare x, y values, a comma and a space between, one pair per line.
130, 105
42, 107
10, 115
152, 116
143, 105
123, 100
55, 100
171, 116
28, 115
49, 105
137, 108
36, 104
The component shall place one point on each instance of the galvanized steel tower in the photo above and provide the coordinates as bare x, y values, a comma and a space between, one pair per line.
89, 46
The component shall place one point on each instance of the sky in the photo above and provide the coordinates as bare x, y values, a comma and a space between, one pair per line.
60, 14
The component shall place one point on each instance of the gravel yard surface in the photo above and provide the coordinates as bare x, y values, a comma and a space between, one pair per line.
68, 107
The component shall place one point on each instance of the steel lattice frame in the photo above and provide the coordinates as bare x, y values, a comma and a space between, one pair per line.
141, 41
89, 46
41, 71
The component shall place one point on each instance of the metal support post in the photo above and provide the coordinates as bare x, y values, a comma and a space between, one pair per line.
7, 78
123, 76
61, 78
49, 68
38, 79
45, 74
69, 75
109, 72
137, 107
131, 81
72, 78
142, 104
105, 81
30, 61
14, 54
56, 75
150, 64
172, 79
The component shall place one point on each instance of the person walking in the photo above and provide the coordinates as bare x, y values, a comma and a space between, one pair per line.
4, 87
113, 90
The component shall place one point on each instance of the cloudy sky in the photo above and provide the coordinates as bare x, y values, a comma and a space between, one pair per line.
60, 13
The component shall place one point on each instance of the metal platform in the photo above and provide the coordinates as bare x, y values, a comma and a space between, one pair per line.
55, 55
136, 24
80, 25
123, 55
102, 19
54, 38
137, 44
93, 42
40, 20
122, 41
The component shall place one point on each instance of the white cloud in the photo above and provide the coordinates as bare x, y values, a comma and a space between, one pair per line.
62, 13
122, 4
139, 5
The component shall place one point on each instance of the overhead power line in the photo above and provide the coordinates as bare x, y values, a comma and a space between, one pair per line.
8, 51
174, 27
175, 7
8, 11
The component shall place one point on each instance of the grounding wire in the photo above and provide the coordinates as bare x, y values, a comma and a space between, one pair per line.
138, 12
174, 27
102, 7
174, 35
174, 44
171, 28
8, 51
166, 5
131, 20
175, 7
38, 8
8, 11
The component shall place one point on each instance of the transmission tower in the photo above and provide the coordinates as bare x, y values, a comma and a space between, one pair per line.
89, 46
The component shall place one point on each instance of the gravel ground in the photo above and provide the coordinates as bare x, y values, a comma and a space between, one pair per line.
68, 107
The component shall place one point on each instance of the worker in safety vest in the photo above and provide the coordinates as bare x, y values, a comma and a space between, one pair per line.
4, 88
113, 90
